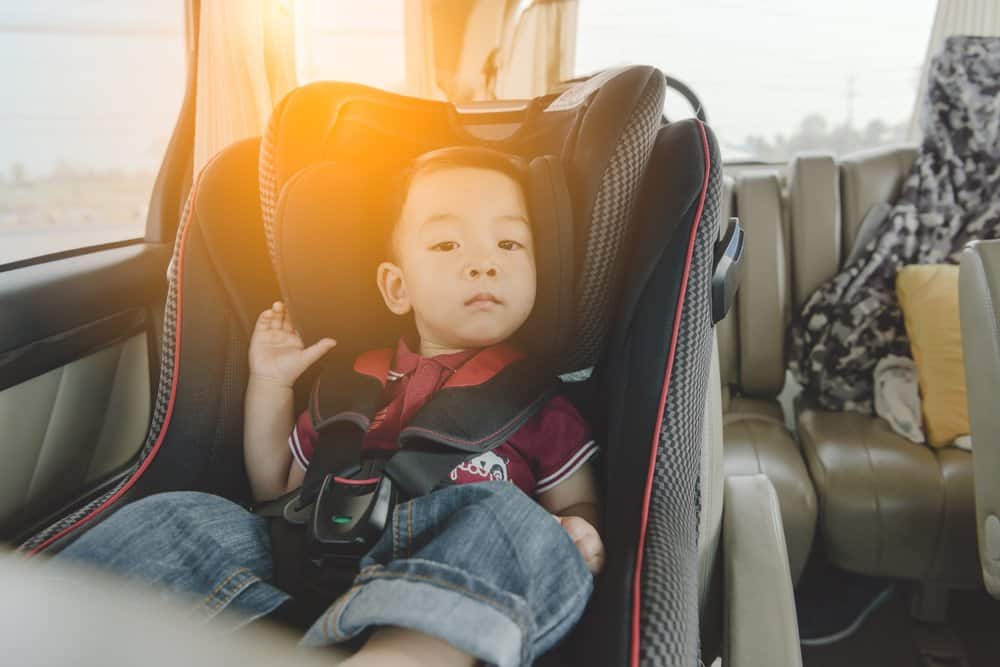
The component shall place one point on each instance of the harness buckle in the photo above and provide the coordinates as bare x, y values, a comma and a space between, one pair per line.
296, 513
348, 518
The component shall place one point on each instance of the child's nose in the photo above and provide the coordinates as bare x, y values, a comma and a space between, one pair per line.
475, 270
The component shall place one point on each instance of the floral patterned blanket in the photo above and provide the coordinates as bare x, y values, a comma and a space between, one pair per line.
951, 197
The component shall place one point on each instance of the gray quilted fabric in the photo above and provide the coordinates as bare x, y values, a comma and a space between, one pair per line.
162, 391
612, 211
669, 600
269, 180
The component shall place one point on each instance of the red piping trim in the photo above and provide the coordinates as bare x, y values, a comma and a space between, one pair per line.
356, 482
173, 384
637, 577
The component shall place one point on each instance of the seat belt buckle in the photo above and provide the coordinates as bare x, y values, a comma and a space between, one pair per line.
348, 517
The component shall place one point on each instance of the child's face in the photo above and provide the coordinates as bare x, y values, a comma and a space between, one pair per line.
466, 260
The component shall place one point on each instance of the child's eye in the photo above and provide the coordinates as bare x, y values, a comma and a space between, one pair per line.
510, 245
444, 246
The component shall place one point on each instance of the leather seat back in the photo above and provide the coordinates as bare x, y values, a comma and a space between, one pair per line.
889, 507
753, 356
752, 336
866, 179
979, 288
814, 223
828, 202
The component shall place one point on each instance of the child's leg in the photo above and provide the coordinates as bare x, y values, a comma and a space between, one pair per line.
480, 566
400, 647
189, 543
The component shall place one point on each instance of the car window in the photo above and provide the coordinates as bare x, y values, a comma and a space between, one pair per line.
346, 40
775, 76
93, 90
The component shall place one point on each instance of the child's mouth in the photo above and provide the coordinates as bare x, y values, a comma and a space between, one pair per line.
483, 299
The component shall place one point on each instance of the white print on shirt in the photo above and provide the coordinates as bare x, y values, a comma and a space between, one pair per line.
487, 466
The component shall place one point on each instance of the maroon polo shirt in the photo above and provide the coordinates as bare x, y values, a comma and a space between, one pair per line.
547, 450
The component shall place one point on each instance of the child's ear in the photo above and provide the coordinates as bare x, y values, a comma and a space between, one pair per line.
393, 288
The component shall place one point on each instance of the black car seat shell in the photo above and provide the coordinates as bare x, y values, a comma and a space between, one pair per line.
646, 199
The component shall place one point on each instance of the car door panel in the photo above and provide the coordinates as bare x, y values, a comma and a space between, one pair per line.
78, 353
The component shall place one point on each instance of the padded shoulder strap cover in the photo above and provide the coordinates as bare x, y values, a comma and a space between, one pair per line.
482, 404
458, 422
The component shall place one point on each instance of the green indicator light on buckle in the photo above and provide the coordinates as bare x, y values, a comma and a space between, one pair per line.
341, 519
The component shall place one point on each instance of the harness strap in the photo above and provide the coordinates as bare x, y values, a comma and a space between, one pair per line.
425, 461
493, 395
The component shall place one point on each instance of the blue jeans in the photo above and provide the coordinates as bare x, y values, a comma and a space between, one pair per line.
481, 566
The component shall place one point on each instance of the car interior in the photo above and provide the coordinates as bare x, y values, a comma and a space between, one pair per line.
146, 219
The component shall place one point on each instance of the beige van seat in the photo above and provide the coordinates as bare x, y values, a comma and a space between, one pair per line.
752, 350
888, 507
979, 286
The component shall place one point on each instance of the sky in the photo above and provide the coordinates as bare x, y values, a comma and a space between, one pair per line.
761, 66
98, 83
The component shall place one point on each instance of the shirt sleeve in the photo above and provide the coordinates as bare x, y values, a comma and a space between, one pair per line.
302, 440
557, 441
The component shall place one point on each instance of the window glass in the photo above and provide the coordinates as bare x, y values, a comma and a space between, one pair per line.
346, 40
93, 90
775, 76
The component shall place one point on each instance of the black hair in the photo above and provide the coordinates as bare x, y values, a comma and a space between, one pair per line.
481, 157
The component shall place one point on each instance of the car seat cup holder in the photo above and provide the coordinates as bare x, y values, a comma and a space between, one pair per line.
728, 269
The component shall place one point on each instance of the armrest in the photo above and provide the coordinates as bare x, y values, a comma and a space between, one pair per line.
979, 298
760, 627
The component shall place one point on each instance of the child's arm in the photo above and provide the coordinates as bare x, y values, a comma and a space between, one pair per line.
277, 358
574, 502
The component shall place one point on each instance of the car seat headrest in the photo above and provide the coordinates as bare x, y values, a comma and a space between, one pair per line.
331, 232
600, 132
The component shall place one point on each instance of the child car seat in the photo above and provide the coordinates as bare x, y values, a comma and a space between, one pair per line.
645, 200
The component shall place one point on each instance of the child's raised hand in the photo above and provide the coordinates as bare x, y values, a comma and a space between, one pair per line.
587, 540
277, 353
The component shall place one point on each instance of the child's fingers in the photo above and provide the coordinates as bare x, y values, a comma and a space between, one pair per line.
281, 318
576, 527
268, 321
314, 352
586, 540
596, 564
589, 546
592, 550
278, 315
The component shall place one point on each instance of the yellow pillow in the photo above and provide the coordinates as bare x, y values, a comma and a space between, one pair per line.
928, 296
